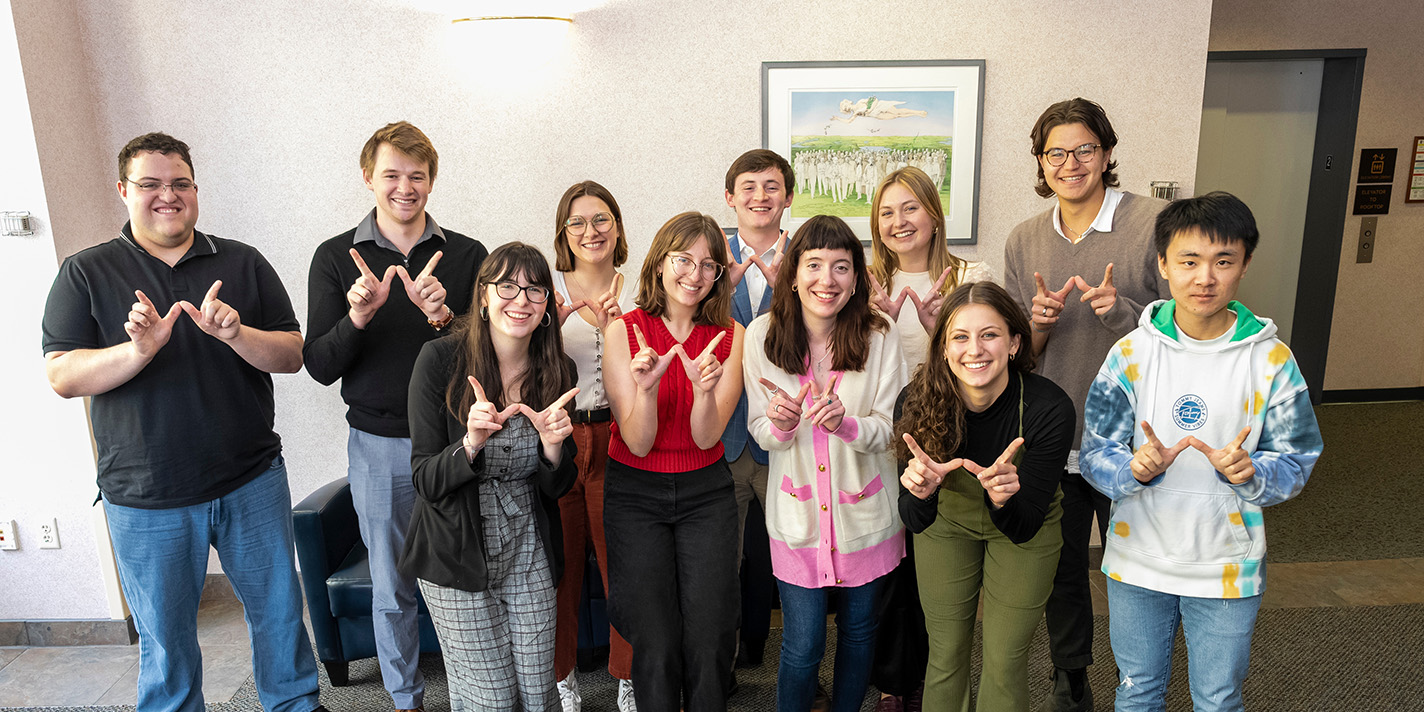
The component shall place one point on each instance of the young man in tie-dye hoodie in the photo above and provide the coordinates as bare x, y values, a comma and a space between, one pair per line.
1196, 420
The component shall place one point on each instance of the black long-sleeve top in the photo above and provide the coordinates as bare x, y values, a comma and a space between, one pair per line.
1048, 424
374, 364
445, 543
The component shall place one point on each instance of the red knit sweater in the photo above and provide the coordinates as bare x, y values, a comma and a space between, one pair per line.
673, 448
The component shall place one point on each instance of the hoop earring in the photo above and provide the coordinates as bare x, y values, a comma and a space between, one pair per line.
484, 313
547, 320
1013, 354
793, 287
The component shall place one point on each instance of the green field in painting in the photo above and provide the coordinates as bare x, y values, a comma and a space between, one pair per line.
806, 205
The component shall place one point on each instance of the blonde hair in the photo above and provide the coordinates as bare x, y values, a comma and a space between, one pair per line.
884, 263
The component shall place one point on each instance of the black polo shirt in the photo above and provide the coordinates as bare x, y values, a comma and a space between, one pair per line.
196, 423
374, 364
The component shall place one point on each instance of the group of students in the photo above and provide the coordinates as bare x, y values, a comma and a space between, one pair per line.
505, 416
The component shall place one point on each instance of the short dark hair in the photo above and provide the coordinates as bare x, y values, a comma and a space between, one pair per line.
403, 136
1219, 215
158, 142
758, 160
563, 254
1073, 111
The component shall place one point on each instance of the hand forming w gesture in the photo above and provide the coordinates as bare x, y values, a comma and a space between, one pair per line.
648, 366
1152, 459
1233, 462
928, 307
827, 410
1001, 479
923, 475
605, 308
484, 420
882, 301
737, 270
425, 291
704, 371
784, 410
148, 331
553, 423
565, 311
1047, 306
367, 293
215, 317
1102, 297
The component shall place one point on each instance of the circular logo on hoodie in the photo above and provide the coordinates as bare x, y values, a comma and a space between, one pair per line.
1189, 412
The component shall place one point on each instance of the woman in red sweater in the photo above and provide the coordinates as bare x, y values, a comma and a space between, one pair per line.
669, 514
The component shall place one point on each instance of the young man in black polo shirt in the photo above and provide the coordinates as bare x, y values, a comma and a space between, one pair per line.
174, 334
376, 294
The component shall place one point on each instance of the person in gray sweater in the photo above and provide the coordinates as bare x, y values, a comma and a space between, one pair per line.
1084, 270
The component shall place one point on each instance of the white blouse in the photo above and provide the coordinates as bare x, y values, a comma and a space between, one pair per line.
583, 342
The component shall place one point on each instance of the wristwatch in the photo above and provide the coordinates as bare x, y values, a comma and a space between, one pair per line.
438, 325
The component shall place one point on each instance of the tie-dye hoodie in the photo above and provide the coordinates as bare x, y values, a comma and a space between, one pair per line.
1189, 532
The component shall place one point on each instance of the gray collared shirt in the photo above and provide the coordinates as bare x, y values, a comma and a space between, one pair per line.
368, 232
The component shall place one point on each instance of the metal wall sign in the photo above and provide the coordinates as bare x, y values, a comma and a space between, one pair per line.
1372, 199
1377, 165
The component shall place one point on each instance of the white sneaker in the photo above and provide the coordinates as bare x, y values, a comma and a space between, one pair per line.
569, 695
625, 697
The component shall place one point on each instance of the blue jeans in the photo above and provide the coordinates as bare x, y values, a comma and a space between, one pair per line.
384, 496
803, 643
162, 556
1142, 626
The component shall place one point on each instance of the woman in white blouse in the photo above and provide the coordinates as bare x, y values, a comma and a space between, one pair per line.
589, 245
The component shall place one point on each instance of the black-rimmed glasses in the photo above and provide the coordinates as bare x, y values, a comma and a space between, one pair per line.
1084, 153
511, 290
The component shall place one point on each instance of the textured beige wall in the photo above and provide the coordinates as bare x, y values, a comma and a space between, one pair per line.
1376, 338
653, 99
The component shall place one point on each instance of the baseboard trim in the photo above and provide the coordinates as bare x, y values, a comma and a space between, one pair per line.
61, 633
1372, 395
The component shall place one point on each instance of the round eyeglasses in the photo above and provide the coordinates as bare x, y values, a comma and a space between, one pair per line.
1084, 153
682, 266
577, 225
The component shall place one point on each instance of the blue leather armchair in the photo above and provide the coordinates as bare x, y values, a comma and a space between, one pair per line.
337, 579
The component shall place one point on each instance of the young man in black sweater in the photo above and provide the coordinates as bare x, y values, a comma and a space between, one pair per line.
376, 294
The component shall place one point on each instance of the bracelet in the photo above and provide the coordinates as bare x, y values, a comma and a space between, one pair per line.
438, 325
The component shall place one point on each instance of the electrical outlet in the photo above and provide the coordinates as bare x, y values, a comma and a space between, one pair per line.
9, 541
49, 534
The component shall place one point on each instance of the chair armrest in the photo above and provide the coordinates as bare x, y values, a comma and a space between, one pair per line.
325, 529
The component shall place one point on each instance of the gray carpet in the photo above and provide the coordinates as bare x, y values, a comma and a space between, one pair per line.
1366, 658
1365, 493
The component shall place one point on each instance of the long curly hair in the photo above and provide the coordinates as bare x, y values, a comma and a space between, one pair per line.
550, 374
786, 341
934, 409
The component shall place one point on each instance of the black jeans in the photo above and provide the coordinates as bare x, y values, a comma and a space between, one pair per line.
672, 581
901, 646
1070, 606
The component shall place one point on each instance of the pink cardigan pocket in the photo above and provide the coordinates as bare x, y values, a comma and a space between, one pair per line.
871, 489
801, 493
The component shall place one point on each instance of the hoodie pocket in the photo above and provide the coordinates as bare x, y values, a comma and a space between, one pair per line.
1181, 527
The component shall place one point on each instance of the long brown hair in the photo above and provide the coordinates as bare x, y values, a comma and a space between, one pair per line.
563, 254
934, 409
677, 235
786, 340
887, 263
550, 374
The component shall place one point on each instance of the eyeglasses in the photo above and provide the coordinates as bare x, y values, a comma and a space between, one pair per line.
182, 185
1084, 153
576, 225
682, 266
511, 290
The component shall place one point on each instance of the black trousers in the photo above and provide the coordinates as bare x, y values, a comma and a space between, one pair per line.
1069, 611
901, 644
758, 583
672, 582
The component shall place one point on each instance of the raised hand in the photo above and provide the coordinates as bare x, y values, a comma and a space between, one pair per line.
705, 370
148, 331
553, 423
215, 317
425, 291
1001, 479
1232, 461
1048, 306
882, 301
648, 366
923, 475
605, 308
928, 308
484, 420
1152, 458
566, 311
737, 270
784, 410
827, 410
1102, 297
770, 270
367, 293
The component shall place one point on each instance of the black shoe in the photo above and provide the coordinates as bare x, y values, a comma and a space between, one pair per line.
1071, 692
751, 653
822, 701
732, 686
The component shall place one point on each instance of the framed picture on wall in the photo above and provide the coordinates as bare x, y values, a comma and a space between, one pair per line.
846, 125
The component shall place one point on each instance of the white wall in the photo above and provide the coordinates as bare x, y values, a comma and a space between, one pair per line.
653, 99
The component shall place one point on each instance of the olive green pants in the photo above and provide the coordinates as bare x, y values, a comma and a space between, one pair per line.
956, 557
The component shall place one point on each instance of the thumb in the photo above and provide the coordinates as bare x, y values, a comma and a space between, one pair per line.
403, 274
1081, 284
973, 467
913, 297
192, 310
801, 394
1067, 287
1194, 443
527, 411
391, 272
173, 312
511, 410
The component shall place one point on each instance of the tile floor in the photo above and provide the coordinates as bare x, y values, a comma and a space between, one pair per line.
107, 675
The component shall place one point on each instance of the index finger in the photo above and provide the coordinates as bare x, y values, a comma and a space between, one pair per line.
1037, 280
879, 289
213, 291
1009, 451
430, 266
144, 298
775, 389
915, 449
939, 283
638, 334
1151, 436
479, 392
835, 381
361, 264
1107, 276
713, 343
1240, 438
563, 400
617, 284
